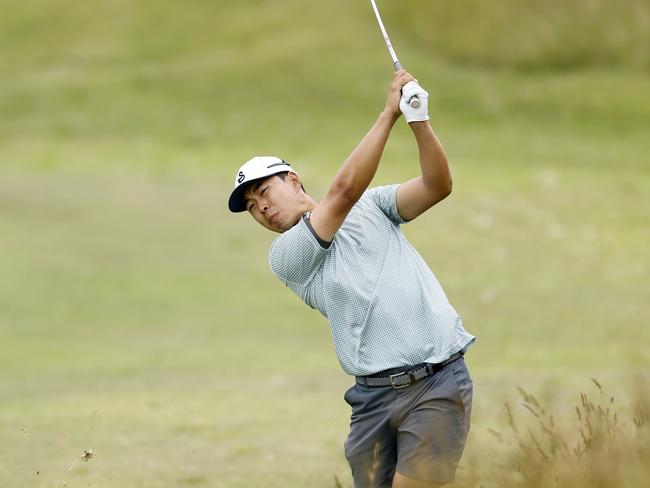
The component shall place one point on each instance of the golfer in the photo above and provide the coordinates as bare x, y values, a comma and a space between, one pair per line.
392, 325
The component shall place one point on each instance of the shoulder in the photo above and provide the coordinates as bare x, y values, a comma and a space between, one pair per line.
297, 253
385, 198
378, 193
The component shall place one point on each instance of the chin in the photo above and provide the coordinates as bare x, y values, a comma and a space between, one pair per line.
279, 228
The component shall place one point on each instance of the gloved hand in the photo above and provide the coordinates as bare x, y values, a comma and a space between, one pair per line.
411, 114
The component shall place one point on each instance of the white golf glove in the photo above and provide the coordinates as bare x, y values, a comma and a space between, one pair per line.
410, 90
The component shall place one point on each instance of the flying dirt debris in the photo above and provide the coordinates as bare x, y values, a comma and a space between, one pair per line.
88, 455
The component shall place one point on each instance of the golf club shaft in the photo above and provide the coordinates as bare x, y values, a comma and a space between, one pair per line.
414, 101
391, 51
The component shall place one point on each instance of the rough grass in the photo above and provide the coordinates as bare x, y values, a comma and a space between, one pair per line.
603, 444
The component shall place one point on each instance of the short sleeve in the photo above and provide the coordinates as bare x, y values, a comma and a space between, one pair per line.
296, 255
385, 197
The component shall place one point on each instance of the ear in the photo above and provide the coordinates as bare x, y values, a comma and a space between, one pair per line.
295, 181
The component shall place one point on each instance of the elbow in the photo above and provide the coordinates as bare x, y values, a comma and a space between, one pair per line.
442, 189
446, 190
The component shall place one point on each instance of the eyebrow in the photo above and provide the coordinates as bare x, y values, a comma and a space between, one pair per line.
253, 188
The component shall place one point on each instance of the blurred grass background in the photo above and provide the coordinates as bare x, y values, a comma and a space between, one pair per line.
139, 318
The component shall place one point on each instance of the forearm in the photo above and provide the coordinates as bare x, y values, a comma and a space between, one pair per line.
360, 167
419, 194
433, 161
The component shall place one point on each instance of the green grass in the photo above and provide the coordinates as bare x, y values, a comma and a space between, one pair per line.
529, 35
139, 318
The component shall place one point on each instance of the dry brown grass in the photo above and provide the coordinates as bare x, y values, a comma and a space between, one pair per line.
605, 445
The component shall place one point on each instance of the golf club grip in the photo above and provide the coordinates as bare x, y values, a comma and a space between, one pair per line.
414, 102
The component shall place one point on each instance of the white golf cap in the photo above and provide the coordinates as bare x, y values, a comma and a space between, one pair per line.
255, 169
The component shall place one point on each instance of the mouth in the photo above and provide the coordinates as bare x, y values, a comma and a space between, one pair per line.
273, 220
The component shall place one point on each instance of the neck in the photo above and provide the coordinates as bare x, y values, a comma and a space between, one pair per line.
310, 204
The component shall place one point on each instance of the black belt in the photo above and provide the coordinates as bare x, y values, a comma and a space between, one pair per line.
407, 377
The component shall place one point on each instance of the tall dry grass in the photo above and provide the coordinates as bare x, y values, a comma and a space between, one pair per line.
601, 445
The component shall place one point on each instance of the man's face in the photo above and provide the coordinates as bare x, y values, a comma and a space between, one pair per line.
275, 202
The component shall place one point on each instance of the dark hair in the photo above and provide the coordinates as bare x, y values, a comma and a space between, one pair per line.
284, 174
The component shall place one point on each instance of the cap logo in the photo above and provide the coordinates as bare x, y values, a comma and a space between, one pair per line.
241, 177
283, 163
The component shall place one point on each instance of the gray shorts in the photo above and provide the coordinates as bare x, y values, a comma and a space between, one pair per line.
418, 431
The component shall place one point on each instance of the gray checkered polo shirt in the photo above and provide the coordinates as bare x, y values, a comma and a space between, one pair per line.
385, 307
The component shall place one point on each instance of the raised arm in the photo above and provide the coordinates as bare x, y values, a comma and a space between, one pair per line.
357, 171
419, 194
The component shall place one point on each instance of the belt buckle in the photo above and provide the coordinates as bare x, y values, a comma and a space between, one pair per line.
392, 381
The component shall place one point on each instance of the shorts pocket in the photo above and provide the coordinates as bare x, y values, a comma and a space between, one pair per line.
464, 384
347, 395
